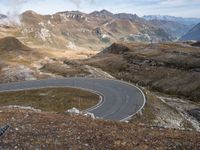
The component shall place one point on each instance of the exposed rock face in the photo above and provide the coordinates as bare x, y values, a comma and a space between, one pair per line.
95, 31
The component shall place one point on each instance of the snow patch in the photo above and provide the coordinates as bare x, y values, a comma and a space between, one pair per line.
71, 45
105, 36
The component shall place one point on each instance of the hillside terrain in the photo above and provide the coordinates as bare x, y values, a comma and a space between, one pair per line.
20, 62
77, 30
25, 63
94, 31
171, 68
100, 45
35, 130
193, 34
11, 44
175, 29
175, 26
73, 29
181, 20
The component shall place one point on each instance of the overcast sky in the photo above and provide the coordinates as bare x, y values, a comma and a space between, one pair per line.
184, 8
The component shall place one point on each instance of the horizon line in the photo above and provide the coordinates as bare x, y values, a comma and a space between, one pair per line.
100, 11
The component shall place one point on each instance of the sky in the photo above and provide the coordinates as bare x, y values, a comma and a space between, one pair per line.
182, 8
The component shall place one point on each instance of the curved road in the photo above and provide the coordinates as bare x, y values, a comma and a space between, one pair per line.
120, 100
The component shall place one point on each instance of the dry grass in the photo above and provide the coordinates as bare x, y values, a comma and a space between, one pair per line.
63, 70
31, 130
52, 99
170, 68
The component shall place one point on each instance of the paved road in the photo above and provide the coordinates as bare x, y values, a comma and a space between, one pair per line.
120, 100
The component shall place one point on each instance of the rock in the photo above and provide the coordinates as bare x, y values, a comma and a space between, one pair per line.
91, 115
73, 111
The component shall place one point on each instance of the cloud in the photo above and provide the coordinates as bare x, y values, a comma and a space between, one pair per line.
14, 2
188, 8
79, 2
14, 7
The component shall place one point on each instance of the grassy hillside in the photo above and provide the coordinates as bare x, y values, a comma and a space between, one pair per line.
170, 68
8, 44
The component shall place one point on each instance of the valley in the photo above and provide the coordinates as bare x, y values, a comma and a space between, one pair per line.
160, 55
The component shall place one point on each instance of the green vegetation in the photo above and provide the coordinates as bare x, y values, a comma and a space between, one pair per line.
51, 99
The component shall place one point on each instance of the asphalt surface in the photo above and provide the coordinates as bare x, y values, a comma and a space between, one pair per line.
120, 100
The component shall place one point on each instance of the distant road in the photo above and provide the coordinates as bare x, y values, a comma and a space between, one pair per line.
120, 100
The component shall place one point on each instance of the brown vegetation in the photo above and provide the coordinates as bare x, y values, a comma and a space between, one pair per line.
31, 130
51, 99
171, 68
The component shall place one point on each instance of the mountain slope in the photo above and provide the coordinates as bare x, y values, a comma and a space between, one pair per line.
193, 34
175, 26
97, 30
170, 68
12, 44
47, 130
181, 20
175, 29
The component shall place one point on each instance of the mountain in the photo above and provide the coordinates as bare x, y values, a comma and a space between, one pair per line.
132, 17
175, 26
193, 34
175, 29
181, 20
97, 30
103, 13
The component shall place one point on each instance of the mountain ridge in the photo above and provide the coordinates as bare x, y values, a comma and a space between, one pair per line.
193, 34
95, 30
182, 20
